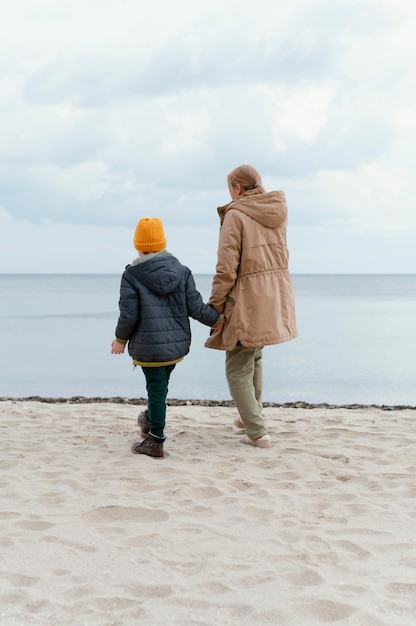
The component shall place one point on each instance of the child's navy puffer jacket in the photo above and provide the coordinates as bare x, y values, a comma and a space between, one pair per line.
157, 297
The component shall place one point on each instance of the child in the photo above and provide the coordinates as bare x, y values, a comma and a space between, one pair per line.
157, 297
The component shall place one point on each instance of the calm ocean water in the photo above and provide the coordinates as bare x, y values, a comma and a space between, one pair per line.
356, 344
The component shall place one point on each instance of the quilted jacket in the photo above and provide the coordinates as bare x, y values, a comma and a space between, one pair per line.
157, 297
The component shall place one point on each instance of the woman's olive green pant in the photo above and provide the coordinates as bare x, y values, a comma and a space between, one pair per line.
243, 368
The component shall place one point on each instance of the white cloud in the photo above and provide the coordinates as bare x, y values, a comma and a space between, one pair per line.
83, 181
297, 112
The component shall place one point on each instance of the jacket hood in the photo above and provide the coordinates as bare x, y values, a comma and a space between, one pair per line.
160, 273
269, 209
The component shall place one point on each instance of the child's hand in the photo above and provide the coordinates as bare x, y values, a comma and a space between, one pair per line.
117, 347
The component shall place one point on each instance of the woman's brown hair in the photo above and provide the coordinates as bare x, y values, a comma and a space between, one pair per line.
248, 177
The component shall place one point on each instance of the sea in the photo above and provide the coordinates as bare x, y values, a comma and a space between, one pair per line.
356, 343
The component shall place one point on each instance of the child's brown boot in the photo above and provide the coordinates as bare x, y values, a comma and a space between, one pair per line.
143, 422
152, 446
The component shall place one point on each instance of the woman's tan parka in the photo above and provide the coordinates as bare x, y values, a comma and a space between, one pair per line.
252, 284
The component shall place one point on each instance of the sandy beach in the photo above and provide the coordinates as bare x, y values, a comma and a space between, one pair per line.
320, 529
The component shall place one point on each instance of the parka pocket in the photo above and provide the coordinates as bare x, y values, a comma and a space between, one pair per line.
229, 306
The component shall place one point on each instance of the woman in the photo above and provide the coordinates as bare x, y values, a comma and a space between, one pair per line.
252, 288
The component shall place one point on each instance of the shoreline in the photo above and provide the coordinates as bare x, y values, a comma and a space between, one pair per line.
207, 403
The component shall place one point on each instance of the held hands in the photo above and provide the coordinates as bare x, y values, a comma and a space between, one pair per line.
219, 324
117, 347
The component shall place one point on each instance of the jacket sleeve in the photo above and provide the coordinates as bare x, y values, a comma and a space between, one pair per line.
229, 252
195, 305
129, 306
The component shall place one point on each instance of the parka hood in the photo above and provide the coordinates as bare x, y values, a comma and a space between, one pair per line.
269, 209
160, 273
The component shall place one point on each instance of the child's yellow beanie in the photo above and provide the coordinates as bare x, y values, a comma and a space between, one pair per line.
149, 235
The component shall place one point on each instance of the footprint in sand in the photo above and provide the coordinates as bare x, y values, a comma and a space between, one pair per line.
21, 580
401, 589
306, 578
328, 611
113, 604
34, 525
73, 546
105, 514
151, 591
8, 515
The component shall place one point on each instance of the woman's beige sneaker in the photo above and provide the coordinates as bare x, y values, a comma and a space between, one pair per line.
262, 442
238, 423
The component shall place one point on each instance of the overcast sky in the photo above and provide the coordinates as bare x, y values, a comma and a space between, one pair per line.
112, 110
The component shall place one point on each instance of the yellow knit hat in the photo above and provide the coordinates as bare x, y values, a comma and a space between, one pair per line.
149, 235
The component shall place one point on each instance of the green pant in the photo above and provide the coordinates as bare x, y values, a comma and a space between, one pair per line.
243, 368
157, 381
